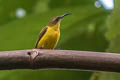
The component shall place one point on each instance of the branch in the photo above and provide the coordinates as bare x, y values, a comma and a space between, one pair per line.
59, 59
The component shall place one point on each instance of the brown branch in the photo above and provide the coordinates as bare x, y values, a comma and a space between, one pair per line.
59, 59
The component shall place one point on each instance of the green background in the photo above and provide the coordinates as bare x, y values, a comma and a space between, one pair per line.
88, 28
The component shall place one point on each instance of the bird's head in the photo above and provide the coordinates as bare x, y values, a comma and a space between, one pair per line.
57, 19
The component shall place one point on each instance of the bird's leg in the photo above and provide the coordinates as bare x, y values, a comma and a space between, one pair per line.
41, 47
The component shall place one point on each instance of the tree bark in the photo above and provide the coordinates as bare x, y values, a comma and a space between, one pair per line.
59, 59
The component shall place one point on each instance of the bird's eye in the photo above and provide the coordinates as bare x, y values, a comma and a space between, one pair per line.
57, 19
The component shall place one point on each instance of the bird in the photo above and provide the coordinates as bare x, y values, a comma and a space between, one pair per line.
50, 35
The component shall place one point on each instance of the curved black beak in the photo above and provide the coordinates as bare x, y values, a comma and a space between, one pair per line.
64, 15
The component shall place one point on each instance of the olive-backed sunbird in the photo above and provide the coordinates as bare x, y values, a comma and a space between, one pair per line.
49, 35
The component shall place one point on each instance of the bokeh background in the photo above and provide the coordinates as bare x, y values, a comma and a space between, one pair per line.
93, 26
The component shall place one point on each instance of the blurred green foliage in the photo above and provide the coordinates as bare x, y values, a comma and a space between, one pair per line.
8, 9
113, 22
85, 29
69, 3
113, 34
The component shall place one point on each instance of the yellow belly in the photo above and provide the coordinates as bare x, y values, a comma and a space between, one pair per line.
49, 40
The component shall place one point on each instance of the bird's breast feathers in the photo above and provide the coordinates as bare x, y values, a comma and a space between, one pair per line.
50, 38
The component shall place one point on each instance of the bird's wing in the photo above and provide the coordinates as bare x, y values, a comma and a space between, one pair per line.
41, 35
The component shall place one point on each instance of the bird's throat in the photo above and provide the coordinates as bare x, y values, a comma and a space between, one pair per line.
55, 27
